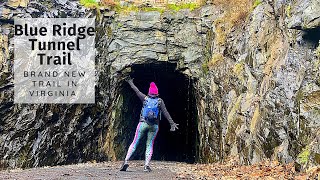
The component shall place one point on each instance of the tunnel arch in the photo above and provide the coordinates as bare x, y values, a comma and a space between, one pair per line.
177, 91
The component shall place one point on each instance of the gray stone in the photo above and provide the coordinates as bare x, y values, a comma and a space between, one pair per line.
305, 15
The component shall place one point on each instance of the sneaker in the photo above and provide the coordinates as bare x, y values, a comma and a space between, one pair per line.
147, 169
124, 167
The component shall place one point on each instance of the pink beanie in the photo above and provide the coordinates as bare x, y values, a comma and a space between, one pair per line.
153, 89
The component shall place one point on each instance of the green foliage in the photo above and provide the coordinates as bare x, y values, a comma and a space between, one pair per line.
238, 70
119, 25
256, 3
299, 96
288, 11
125, 9
161, 10
317, 158
173, 7
109, 31
92, 4
89, 3
304, 155
133, 8
177, 7
205, 68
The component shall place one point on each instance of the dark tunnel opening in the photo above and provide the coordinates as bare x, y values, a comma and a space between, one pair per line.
312, 36
176, 90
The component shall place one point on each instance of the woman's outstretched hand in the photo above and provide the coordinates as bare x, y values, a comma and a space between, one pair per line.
129, 80
174, 126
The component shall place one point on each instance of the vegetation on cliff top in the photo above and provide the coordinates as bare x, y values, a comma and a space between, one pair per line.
170, 7
131, 7
89, 3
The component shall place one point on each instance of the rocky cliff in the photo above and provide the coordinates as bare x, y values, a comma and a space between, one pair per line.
245, 87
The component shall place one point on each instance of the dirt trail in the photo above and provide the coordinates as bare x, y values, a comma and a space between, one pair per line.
161, 170
106, 170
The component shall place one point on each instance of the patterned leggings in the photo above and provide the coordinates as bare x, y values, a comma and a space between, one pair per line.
140, 131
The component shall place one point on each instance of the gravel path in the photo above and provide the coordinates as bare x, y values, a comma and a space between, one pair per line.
106, 170
231, 170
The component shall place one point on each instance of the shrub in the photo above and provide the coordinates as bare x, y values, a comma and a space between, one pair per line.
161, 10
288, 11
177, 7
256, 3
205, 68
173, 7
89, 3
304, 156
238, 68
93, 4
126, 9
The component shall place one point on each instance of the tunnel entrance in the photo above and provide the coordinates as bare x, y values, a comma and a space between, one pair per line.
312, 36
176, 90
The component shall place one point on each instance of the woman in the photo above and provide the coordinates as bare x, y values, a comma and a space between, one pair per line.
149, 122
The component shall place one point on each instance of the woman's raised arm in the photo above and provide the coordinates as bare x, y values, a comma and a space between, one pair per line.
136, 90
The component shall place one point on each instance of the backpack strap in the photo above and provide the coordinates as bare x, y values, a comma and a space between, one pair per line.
159, 104
145, 101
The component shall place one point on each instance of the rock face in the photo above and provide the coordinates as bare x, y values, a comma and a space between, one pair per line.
260, 101
306, 15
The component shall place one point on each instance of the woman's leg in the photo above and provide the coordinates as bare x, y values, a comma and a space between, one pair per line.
139, 133
152, 133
